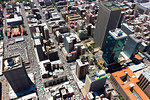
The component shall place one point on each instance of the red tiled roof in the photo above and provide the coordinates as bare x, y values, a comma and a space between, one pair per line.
8, 34
1, 7
22, 29
8, 26
73, 51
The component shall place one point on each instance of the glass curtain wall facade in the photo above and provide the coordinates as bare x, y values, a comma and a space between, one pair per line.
112, 49
132, 46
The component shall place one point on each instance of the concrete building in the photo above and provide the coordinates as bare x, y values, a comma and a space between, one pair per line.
39, 49
143, 8
108, 19
47, 2
15, 73
17, 20
128, 29
148, 48
52, 72
89, 96
126, 84
132, 45
110, 92
114, 44
69, 43
32, 96
95, 80
52, 54
144, 82
46, 33
81, 68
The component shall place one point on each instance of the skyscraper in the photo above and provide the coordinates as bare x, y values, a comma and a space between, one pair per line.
114, 45
132, 45
108, 19
16, 74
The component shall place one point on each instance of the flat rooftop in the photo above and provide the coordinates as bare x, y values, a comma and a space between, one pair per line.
12, 63
118, 33
145, 5
126, 79
80, 63
111, 5
96, 74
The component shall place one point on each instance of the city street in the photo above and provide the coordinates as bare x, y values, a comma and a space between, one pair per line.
79, 95
34, 67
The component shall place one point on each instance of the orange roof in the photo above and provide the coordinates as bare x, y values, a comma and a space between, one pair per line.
125, 85
137, 56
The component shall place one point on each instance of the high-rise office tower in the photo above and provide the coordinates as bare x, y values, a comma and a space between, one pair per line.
114, 44
108, 19
16, 74
132, 45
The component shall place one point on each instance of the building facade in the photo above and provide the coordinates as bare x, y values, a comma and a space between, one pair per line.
16, 74
95, 82
132, 45
114, 44
81, 68
144, 82
126, 84
108, 19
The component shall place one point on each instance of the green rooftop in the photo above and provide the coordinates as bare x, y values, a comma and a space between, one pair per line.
111, 5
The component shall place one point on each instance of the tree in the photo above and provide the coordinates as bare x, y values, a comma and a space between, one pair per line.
90, 48
22, 25
19, 29
25, 32
100, 67
3, 4
6, 32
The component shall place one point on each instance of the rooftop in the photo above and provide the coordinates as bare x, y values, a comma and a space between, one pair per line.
82, 63
147, 75
145, 5
127, 80
12, 63
136, 37
96, 74
111, 6
118, 33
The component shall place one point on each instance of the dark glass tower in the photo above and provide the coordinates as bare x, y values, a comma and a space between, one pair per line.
114, 44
